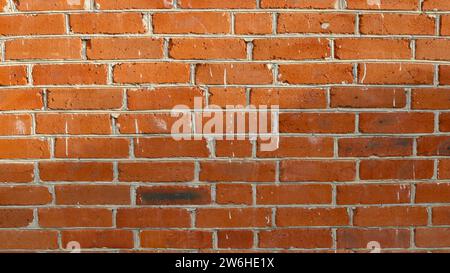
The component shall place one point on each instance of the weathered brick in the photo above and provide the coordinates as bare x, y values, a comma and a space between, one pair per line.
373, 194
173, 195
337, 23
153, 217
52, 49
24, 24
295, 238
124, 48
192, 22
390, 216
84, 99
231, 217
312, 170
387, 24
237, 171
156, 171
293, 194
396, 169
176, 239
106, 23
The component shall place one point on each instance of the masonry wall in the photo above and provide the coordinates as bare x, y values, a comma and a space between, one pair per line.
86, 154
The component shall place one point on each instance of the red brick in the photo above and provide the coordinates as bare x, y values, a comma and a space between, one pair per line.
261, 23
167, 147
295, 238
33, 24
49, 5
212, 4
432, 49
387, 24
290, 49
132, 4
373, 194
441, 215
21, 99
151, 73
156, 171
52, 49
91, 148
157, 123
359, 238
233, 148
75, 217
16, 172
153, 217
396, 123
206, 48
432, 237
305, 4
300, 147
444, 122
124, 48
383, 5
235, 239
224, 97
435, 5
293, 194
396, 169
289, 98
292, 217
28, 239
76, 171
238, 73
156, 99
13, 75
106, 23
22, 148
251, 171
445, 25
336, 23
356, 97
181, 239
65, 74
390, 216
233, 217
15, 218
430, 99
444, 74
99, 238
173, 195
92, 195
192, 22
433, 145
15, 124
391, 73
433, 193
375, 146
321, 123
234, 194
73, 124
324, 171
444, 169
372, 49
315, 73
84, 99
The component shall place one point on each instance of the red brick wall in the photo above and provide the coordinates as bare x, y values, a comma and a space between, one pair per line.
86, 155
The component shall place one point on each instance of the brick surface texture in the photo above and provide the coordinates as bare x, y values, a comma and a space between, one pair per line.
86, 151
